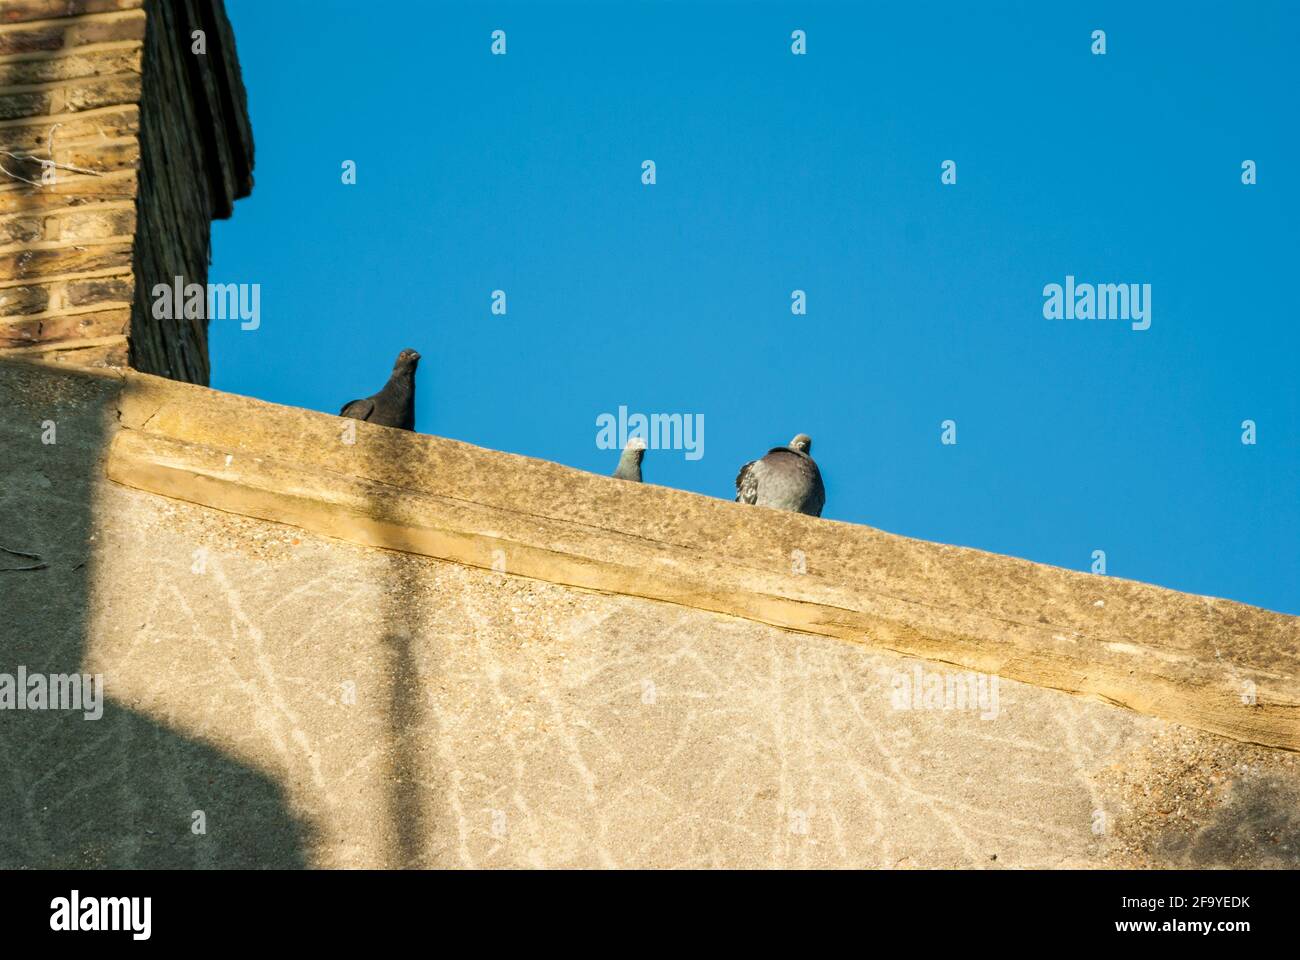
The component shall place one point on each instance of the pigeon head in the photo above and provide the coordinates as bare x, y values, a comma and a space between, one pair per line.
629, 463
802, 443
407, 361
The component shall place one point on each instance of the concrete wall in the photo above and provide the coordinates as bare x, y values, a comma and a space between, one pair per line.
326, 702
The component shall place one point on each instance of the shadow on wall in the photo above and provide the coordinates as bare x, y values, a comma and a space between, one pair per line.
1258, 828
404, 717
120, 791
408, 777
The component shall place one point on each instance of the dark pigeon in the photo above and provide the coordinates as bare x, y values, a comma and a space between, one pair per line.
393, 406
787, 478
629, 464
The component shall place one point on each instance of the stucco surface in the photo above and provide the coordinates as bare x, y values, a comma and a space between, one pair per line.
328, 703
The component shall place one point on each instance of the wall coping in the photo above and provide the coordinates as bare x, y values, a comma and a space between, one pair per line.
1189, 659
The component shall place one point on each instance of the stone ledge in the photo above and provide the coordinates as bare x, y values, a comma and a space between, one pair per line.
1175, 656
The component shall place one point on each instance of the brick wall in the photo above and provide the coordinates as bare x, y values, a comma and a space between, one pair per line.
150, 142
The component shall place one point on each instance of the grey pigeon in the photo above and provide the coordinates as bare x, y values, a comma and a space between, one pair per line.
786, 478
629, 464
393, 406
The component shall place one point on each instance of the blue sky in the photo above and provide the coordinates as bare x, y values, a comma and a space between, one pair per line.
820, 172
